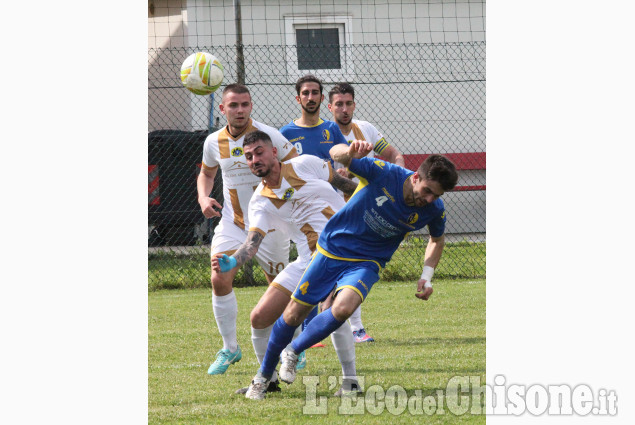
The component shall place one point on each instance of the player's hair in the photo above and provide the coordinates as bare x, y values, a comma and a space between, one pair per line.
236, 88
440, 169
255, 136
341, 88
308, 78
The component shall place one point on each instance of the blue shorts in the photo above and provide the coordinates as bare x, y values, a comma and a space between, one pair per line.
324, 273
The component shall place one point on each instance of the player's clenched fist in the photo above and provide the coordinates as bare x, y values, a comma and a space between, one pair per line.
359, 148
207, 206
343, 172
222, 263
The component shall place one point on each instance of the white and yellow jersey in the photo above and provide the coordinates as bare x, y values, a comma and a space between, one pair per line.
363, 130
300, 205
221, 149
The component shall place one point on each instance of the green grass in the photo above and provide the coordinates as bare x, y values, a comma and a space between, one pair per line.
169, 270
420, 346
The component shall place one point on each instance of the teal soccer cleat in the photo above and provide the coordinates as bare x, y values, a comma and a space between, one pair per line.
301, 361
224, 358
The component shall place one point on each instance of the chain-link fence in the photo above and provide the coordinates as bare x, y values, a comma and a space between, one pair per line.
424, 98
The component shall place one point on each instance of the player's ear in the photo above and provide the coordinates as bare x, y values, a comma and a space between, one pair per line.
275, 151
222, 108
330, 107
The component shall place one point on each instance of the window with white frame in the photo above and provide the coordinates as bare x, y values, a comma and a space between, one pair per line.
319, 45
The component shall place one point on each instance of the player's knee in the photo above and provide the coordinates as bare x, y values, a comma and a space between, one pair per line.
259, 319
293, 317
342, 311
220, 284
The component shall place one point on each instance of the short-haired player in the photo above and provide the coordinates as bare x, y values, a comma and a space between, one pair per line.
295, 197
224, 149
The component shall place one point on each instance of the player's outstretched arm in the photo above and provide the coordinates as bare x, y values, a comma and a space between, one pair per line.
204, 186
224, 263
356, 149
347, 186
431, 260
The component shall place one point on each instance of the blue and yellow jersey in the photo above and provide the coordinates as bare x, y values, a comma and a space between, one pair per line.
376, 218
317, 140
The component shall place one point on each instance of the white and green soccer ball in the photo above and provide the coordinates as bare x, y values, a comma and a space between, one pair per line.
202, 73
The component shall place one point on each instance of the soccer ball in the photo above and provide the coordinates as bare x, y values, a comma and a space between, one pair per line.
202, 73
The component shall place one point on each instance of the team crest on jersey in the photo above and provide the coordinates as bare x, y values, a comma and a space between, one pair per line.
288, 193
326, 134
379, 163
238, 151
413, 218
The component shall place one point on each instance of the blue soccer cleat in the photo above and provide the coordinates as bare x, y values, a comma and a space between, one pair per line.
224, 358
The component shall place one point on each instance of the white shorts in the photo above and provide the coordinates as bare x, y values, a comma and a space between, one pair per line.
272, 255
290, 277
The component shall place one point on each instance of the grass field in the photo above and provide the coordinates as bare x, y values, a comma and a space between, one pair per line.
420, 346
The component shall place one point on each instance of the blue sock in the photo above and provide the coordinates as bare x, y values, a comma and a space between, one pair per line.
310, 317
318, 329
281, 336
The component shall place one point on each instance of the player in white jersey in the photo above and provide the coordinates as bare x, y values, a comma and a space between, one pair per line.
224, 149
342, 106
296, 198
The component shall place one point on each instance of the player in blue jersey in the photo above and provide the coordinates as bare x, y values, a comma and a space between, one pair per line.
310, 134
342, 106
355, 244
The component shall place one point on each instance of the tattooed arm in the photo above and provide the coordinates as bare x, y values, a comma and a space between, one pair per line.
223, 263
342, 183
249, 248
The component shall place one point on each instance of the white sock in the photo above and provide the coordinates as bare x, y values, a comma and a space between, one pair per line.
356, 319
260, 340
344, 345
225, 313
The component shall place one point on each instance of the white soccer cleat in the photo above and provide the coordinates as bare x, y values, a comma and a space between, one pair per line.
288, 362
349, 387
258, 387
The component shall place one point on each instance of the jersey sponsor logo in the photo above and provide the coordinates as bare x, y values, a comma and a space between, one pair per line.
238, 151
288, 193
326, 134
379, 163
412, 219
237, 165
443, 215
379, 224
296, 139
